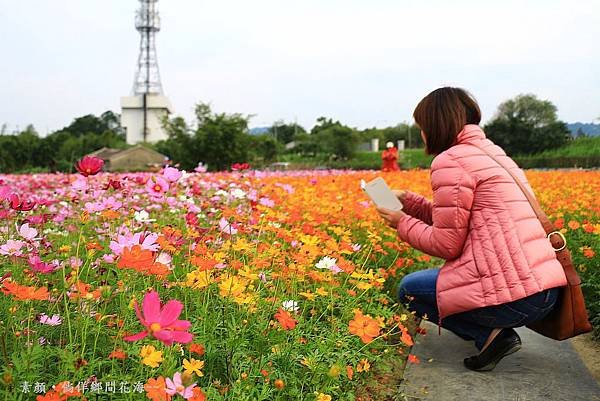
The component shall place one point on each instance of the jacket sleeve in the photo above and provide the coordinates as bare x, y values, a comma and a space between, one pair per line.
417, 206
453, 190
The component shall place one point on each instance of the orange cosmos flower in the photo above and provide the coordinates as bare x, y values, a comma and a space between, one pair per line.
364, 326
83, 291
588, 252
573, 225
197, 395
413, 359
136, 258
118, 354
142, 260
285, 319
197, 349
23, 293
156, 389
349, 372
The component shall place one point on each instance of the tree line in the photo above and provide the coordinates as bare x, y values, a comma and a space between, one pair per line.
523, 125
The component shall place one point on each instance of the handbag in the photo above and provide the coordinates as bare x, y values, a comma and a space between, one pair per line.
569, 316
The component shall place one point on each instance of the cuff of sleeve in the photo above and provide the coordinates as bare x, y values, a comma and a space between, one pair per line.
402, 225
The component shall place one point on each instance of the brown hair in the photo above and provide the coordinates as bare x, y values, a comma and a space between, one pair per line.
442, 115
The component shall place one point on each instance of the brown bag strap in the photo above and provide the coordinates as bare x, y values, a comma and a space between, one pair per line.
556, 238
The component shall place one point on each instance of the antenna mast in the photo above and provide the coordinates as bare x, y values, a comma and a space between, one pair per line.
147, 76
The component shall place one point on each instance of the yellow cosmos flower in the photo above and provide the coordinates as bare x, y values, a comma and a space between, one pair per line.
323, 397
308, 295
150, 356
193, 366
322, 291
363, 366
197, 279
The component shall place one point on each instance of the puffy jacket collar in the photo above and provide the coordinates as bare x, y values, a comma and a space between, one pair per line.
469, 133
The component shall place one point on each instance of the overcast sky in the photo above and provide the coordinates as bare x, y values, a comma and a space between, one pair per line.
366, 63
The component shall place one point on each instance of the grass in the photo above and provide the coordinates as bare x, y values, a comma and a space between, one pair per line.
409, 159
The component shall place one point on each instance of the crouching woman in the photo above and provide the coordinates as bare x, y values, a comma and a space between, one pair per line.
501, 271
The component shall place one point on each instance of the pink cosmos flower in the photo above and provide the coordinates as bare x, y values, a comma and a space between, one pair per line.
55, 320
27, 232
171, 174
4, 192
165, 259
37, 265
201, 168
226, 227
157, 186
12, 248
161, 322
80, 183
266, 202
176, 386
144, 240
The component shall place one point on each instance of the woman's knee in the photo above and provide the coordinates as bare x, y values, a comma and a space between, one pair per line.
417, 283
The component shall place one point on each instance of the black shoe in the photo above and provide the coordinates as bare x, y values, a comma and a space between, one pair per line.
506, 342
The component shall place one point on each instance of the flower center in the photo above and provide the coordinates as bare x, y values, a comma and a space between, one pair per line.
180, 389
157, 188
154, 327
88, 170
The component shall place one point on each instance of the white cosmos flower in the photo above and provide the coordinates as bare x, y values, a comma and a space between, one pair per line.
238, 193
326, 262
142, 216
290, 305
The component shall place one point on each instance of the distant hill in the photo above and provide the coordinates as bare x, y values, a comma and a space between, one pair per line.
590, 129
258, 130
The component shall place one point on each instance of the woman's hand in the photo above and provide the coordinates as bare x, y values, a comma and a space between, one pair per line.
391, 217
400, 194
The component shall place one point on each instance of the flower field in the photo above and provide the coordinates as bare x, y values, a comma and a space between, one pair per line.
224, 286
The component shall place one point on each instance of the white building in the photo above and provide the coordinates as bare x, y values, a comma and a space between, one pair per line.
134, 117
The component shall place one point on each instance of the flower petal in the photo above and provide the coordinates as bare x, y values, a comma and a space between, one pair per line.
182, 337
181, 325
170, 312
151, 307
164, 336
136, 337
139, 314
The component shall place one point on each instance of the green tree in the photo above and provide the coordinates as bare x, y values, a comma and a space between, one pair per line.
334, 138
265, 148
285, 133
218, 140
527, 125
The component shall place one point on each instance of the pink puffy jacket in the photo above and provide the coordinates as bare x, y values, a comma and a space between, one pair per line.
495, 248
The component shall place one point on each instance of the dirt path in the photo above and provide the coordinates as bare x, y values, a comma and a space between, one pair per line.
589, 352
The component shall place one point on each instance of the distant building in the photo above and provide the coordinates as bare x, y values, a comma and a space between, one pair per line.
141, 117
136, 158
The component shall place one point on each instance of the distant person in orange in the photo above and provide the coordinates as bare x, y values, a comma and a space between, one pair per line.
390, 158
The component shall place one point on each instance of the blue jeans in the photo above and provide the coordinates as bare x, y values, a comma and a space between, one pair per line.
418, 291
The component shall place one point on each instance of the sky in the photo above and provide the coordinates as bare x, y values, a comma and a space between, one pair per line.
366, 63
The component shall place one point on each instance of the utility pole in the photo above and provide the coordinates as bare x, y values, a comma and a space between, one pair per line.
409, 148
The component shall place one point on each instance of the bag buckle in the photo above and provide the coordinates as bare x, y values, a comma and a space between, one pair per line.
564, 245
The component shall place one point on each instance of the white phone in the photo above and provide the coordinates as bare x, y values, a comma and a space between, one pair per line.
381, 194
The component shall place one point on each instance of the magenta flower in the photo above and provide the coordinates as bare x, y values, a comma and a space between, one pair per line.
176, 386
157, 186
162, 322
37, 265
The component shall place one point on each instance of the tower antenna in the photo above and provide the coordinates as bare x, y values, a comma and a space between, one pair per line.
143, 111
147, 76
